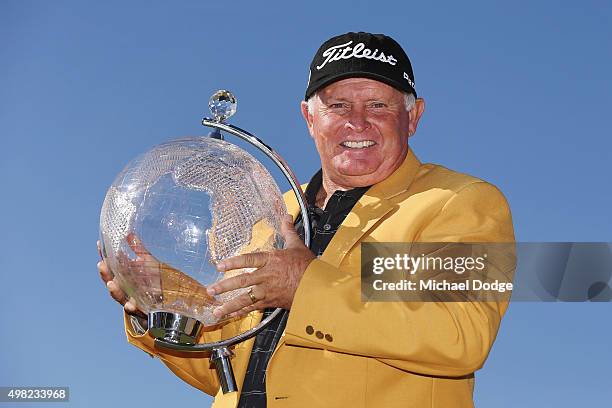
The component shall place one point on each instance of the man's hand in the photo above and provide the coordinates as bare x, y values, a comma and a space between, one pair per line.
275, 281
115, 291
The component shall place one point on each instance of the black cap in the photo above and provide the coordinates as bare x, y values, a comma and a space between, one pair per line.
361, 55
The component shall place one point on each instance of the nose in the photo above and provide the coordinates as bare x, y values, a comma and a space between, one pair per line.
358, 120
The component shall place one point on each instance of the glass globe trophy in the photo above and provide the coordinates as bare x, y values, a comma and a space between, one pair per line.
175, 211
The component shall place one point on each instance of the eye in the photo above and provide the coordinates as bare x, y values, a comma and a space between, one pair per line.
378, 105
338, 105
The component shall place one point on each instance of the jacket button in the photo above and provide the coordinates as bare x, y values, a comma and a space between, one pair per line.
309, 329
319, 335
329, 338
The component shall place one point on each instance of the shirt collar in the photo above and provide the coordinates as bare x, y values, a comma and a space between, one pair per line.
316, 182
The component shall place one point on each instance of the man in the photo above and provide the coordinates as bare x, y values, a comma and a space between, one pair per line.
330, 349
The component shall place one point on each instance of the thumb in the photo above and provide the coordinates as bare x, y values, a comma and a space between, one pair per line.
136, 245
291, 237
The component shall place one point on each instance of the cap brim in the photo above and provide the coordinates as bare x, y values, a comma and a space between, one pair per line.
314, 87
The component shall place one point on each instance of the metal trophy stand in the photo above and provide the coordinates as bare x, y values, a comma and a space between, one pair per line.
178, 332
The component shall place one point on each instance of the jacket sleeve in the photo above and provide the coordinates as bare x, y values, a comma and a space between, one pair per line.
192, 368
430, 338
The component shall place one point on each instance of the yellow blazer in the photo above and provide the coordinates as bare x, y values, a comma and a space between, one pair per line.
338, 351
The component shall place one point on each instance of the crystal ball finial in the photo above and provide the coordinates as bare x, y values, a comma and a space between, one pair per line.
222, 105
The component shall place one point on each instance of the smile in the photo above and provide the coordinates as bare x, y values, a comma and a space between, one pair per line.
358, 144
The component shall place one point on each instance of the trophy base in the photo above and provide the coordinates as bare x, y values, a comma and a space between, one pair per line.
174, 327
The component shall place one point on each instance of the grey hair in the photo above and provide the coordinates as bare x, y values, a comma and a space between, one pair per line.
409, 101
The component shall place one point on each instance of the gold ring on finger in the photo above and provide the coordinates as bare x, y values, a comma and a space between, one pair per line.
252, 296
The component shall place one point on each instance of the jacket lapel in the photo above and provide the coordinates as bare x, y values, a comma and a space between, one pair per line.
367, 212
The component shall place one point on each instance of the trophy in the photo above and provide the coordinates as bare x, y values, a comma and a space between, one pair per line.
175, 211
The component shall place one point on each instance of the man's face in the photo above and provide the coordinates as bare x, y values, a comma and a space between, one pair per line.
360, 127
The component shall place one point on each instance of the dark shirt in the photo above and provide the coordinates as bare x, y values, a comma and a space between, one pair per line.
324, 224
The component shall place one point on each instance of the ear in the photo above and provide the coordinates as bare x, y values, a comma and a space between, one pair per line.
307, 117
415, 115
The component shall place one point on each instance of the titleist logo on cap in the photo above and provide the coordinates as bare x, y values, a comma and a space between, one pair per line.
337, 52
360, 55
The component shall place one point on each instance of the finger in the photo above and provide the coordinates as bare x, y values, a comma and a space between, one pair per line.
233, 307
136, 245
291, 237
250, 260
244, 280
99, 249
104, 271
116, 292
131, 308
246, 310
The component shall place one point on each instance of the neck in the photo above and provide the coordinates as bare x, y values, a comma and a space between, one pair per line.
328, 187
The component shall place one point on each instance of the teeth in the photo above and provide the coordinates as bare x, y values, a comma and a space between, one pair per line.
358, 145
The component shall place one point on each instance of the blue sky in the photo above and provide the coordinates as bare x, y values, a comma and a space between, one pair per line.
516, 93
